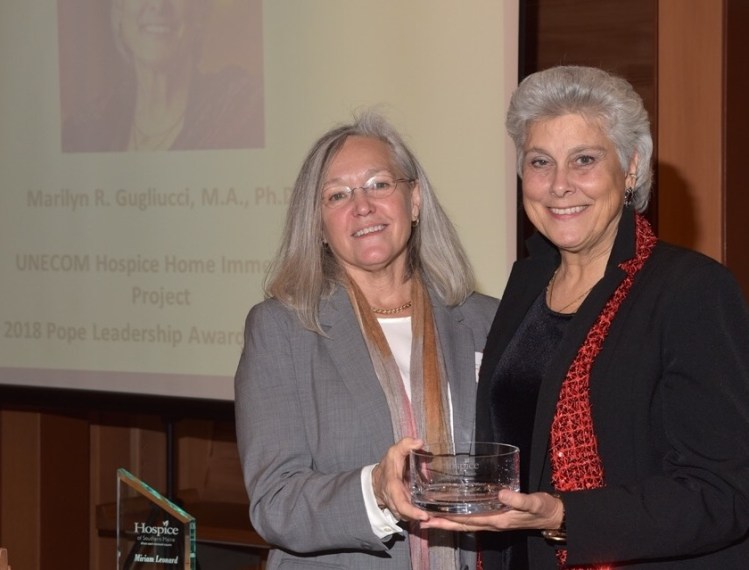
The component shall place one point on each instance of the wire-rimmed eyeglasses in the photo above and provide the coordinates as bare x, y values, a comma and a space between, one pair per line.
377, 187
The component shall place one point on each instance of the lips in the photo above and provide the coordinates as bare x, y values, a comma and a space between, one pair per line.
158, 28
567, 211
369, 230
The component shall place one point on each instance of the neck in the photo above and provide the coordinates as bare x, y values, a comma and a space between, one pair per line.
161, 97
384, 289
570, 285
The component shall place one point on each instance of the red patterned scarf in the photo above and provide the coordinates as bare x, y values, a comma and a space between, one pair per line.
576, 464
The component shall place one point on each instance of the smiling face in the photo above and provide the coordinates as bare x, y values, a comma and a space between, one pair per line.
573, 184
154, 33
369, 235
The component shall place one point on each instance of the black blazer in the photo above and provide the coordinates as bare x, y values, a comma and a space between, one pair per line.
670, 402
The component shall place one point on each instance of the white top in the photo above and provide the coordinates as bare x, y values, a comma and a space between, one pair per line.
398, 335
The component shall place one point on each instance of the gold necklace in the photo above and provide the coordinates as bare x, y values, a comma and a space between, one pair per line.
550, 292
392, 311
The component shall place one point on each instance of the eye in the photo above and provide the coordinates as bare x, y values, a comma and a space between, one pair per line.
381, 185
538, 162
334, 195
585, 160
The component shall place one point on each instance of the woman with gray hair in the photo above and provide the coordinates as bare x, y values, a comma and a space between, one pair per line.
367, 346
619, 364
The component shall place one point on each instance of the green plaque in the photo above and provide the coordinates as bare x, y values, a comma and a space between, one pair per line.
152, 532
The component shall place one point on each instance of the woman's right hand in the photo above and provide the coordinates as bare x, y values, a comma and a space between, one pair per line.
389, 484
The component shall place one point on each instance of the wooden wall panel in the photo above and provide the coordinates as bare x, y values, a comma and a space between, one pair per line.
44, 491
613, 35
20, 497
690, 142
64, 486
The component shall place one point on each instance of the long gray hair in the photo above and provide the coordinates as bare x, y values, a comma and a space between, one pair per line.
593, 93
304, 271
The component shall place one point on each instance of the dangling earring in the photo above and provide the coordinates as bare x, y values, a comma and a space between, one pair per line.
629, 191
629, 195
415, 223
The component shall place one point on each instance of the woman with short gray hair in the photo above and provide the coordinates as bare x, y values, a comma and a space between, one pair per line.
618, 363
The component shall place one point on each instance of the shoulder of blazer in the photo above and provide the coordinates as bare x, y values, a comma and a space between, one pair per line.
333, 311
335, 307
477, 310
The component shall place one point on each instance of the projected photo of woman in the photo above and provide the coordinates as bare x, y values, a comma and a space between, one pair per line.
160, 95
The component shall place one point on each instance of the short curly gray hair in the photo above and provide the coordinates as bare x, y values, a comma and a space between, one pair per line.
590, 92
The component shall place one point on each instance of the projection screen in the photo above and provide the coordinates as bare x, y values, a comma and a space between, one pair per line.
135, 239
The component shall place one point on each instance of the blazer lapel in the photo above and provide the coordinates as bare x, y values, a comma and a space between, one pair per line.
349, 353
573, 339
456, 344
552, 382
351, 358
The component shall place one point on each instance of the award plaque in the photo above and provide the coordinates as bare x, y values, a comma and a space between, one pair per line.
152, 532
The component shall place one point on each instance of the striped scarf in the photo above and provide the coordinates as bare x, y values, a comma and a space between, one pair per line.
426, 416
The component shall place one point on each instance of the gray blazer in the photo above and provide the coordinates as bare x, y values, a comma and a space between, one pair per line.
310, 414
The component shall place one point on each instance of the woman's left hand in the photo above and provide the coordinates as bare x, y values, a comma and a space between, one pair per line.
534, 511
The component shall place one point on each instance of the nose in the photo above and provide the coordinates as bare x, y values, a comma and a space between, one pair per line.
362, 202
159, 5
560, 183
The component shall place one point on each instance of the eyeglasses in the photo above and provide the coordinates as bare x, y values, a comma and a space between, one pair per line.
377, 187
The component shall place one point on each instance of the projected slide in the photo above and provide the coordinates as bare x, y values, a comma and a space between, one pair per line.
148, 150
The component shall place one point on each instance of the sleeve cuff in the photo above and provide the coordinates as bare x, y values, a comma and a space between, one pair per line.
382, 521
